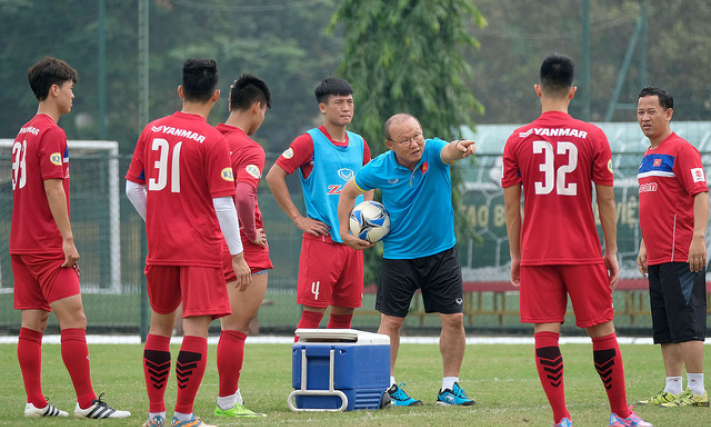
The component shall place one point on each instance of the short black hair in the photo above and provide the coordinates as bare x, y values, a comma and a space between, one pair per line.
332, 86
47, 72
665, 98
199, 79
247, 90
557, 72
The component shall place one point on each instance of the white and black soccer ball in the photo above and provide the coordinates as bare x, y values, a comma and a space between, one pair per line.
370, 221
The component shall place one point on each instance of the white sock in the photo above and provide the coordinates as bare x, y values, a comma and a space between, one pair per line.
183, 417
392, 382
448, 382
695, 382
673, 385
152, 415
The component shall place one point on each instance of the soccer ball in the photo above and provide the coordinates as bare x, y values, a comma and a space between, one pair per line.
370, 221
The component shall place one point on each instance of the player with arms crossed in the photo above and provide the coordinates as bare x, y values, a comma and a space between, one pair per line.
180, 181
42, 252
330, 273
250, 98
420, 251
673, 216
556, 252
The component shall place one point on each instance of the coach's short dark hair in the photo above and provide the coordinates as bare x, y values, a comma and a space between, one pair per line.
47, 72
665, 99
199, 79
332, 86
247, 90
557, 72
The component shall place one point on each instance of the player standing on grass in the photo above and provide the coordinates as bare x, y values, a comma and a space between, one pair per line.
330, 273
420, 251
250, 98
42, 252
673, 216
556, 252
180, 181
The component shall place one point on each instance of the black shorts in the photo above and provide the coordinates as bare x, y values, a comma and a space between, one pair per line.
438, 276
677, 298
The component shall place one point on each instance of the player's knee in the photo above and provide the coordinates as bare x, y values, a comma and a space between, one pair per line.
453, 321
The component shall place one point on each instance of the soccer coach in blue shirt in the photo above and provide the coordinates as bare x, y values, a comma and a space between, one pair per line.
419, 251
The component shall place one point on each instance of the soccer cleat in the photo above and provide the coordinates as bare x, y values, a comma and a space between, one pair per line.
565, 422
687, 398
156, 421
632, 420
398, 397
237, 411
99, 410
659, 398
194, 422
31, 411
454, 397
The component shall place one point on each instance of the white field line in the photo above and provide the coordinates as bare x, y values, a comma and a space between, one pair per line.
135, 339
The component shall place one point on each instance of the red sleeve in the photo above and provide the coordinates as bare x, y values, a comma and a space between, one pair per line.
689, 169
366, 152
245, 196
602, 161
51, 153
299, 153
250, 166
511, 174
136, 169
220, 178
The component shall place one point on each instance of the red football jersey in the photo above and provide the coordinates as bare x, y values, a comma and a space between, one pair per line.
669, 178
247, 159
557, 159
38, 153
300, 153
184, 163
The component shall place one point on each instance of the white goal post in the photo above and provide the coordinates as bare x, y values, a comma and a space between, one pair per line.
76, 149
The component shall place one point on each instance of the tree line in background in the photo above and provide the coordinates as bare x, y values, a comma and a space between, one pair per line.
397, 53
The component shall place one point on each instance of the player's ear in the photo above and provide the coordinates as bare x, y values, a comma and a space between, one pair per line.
389, 144
571, 94
669, 113
537, 88
180, 91
322, 107
215, 96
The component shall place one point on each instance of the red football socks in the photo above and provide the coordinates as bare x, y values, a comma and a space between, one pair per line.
309, 320
608, 363
29, 354
230, 355
340, 321
549, 363
156, 369
75, 355
189, 369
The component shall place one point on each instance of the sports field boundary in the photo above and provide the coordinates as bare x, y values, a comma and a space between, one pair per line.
136, 339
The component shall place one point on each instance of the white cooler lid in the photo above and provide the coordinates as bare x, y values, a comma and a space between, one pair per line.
342, 335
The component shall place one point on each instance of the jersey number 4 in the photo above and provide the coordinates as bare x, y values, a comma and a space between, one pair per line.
556, 178
164, 157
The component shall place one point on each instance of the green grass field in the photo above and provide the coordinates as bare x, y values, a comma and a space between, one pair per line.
501, 378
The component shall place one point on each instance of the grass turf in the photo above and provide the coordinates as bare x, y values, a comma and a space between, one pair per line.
501, 378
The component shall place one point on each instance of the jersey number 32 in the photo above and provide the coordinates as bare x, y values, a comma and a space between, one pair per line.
555, 179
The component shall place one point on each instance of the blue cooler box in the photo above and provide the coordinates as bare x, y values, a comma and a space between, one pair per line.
339, 370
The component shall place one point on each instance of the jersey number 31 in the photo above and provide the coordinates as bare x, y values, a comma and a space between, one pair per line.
161, 180
556, 178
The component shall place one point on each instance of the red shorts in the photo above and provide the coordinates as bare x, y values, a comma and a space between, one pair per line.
545, 290
257, 259
329, 274
39, 281
202, 290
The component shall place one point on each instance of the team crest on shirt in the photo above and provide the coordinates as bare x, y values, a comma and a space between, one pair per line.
56, 159
345, 174
424, 168
288, 153
657, 162
697, 174
227, 174
609, 165
253, 171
